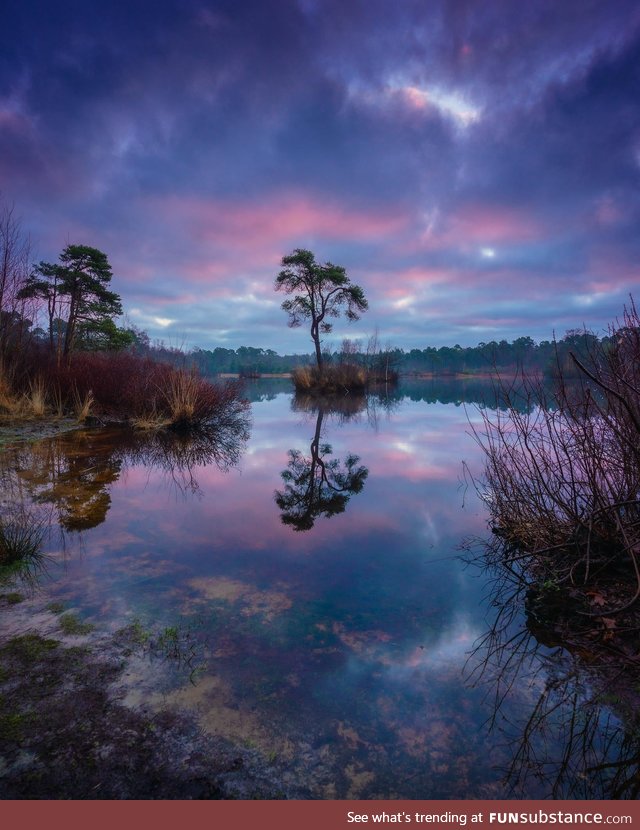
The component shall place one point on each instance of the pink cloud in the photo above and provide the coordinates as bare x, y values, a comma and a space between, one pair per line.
14, 121
395, 285
481, 224
607, 212
274, 222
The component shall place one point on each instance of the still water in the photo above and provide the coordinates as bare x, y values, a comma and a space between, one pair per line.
307, 588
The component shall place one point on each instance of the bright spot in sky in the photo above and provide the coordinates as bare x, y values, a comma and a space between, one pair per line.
584, 299
162, 321
487, 253
449, 103
404, 447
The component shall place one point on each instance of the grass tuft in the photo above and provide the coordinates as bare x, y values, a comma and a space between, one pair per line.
20, 540
343, 378
36, 399
70, 624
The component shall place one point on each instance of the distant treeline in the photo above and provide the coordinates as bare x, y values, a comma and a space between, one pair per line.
542, 358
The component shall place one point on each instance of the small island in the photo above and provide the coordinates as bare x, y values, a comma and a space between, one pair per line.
319, 294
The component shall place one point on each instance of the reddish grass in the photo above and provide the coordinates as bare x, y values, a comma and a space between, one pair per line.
128, 386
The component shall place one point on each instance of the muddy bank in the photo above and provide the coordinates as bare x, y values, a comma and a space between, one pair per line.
14, 431
67, 730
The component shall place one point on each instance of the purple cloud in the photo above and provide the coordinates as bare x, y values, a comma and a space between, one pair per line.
475, 168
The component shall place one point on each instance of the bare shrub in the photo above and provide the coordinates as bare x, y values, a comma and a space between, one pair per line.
562, 474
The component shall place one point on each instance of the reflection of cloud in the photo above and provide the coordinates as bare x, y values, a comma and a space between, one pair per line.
430, 530
265, 604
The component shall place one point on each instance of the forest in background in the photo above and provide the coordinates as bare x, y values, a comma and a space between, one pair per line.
523, 354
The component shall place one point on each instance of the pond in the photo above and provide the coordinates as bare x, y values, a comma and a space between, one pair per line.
306, 585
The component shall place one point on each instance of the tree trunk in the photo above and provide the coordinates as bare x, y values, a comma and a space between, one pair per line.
70, 333
316, 342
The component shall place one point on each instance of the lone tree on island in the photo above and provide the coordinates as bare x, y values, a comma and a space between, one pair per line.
320, 292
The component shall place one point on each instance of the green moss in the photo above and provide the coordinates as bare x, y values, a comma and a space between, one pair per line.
56, 607
70, 624
134, 633
27, 648
13, 724
13, 598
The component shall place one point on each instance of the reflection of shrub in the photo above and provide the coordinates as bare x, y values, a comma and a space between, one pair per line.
341, 405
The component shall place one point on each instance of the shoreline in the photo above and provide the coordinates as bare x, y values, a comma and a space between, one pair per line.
68, 702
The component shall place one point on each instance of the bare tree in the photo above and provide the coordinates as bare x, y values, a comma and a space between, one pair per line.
15, 251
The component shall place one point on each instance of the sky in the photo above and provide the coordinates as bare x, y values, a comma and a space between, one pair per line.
473, 164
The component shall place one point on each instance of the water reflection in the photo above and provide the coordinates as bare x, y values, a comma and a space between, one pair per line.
338, 654
77, 481
578, 736
319, 484
179, 456
75, 473
490, 392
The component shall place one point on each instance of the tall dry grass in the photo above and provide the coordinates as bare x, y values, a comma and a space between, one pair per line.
343, 378
14, 404
82, 404
37, 397
118, 385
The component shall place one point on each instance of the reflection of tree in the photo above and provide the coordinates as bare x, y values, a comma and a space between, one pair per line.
74, 472
349, 407
579, 736
341, 407
317, 485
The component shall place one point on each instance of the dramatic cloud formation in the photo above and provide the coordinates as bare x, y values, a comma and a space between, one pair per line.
474, 166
